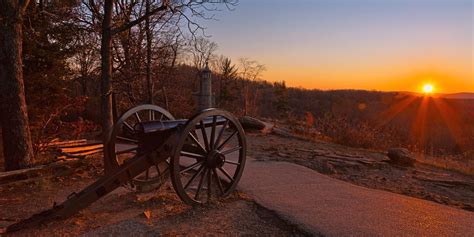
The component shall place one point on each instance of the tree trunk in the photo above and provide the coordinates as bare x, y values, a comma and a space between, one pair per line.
106, 88
148, 54
17, 146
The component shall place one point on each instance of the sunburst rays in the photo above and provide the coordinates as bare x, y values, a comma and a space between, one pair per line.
421, 125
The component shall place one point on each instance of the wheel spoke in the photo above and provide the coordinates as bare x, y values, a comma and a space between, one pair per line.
204, 135
138, 117
196, 197
232, 162
231, 150
194, 177
130, 128
226, 174
127, 139
147, 174
195, 140
191, 155
218, 181
161, 174
191, 167
158, 170
151, 115
126, 150
218, 139
226, 140
213, 132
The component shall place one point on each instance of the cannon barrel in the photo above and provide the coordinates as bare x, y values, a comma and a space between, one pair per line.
158, 126
161, 126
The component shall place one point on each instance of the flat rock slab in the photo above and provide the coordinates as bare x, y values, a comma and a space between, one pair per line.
327, 206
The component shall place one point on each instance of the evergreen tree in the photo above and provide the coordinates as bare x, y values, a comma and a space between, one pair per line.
228, 72
281, 102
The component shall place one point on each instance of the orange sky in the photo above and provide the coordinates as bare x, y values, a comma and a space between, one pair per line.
446, 77
389, 45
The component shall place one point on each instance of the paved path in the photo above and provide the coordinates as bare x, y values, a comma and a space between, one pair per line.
327, 206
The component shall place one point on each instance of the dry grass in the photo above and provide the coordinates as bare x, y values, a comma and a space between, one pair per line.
361, 135
463, 163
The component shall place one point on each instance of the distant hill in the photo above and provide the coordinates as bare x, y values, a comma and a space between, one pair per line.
459, 96
381, 119
464, 95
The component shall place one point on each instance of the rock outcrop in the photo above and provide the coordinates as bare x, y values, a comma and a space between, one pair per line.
249, 123
401, 156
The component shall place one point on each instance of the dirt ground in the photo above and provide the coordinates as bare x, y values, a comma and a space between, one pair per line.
367, 168
125, 213
160, 212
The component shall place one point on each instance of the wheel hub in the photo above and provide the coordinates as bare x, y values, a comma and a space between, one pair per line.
215, 159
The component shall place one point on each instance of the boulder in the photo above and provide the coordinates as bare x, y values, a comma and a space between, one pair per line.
249, 123
282, 132
401, 156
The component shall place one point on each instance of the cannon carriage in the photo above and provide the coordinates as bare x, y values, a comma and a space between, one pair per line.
204, 157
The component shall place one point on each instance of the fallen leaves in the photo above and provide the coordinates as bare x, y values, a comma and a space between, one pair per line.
79, 222
144, 197
147, 214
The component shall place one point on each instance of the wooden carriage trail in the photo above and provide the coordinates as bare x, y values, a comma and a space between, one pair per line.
326, 206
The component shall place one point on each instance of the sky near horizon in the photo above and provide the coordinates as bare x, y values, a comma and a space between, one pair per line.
389, 45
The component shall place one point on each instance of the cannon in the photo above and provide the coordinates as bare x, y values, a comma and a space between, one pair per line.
204, 157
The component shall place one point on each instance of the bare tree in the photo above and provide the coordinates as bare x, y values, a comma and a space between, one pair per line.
108, 31
149, 39
202, 51
106, 87
17, 146
86, 63
250, 70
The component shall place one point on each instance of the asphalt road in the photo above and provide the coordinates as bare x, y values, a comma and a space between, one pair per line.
330, 207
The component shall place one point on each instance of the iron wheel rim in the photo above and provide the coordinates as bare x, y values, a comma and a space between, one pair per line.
154, 112
212, 172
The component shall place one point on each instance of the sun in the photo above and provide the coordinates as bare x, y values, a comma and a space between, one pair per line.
428, 88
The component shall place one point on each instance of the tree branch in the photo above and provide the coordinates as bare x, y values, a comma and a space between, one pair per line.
137, 21
24, 5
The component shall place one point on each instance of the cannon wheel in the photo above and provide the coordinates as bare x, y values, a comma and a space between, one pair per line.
207, 163
122, 144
